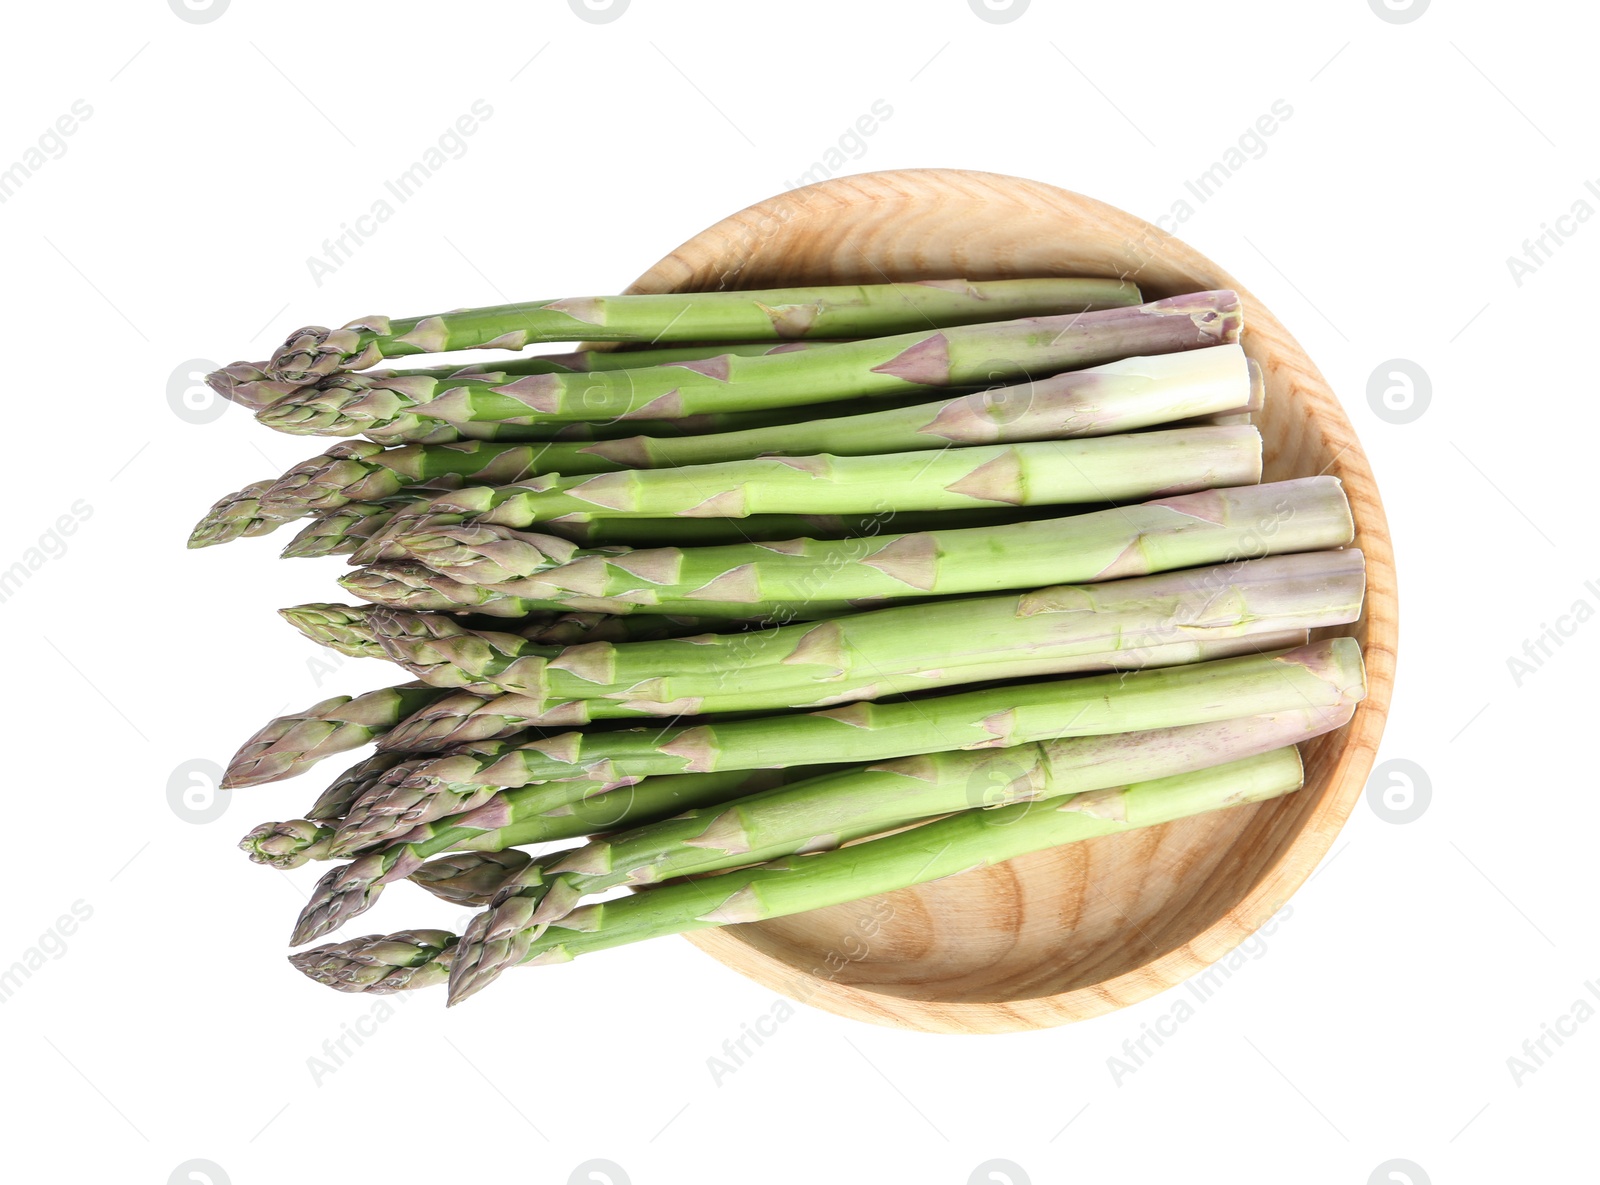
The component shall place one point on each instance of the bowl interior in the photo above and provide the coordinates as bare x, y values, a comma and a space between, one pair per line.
1078, 931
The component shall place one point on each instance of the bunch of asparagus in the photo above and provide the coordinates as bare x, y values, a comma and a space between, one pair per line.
798, 596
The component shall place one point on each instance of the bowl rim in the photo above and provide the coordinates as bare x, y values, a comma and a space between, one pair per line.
1286, 363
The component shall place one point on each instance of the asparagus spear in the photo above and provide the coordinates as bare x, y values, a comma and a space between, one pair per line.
243, 513
294, 842
945, 847
387, 813
339, 627
235, 516
347, 628
768, 315
332, 535
414, 587
292, 744
1117, 397
883, 366
1324, 676
248, 383
468, 878
1182, 532
511, 819
468, 718
392, 811
288, 844
291, 843
342, 531
757, 528
381, 963
1105, 469
336, 392
334, 802
832, 810
902, 648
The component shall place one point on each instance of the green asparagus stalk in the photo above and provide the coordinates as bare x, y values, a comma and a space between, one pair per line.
1324, 676
292, 744
347, 628
414, 587
381, 963
387, 813
832, 810
758, 528
898, 649
885, 366
945, 847
244, 514
647, 801
769, 315
1182, 532
390, 811
1105, 469
341, 389
1117, 397
469, 718
248, 383
294, 842
514, 818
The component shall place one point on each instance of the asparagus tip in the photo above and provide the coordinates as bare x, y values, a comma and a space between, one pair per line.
379, 964
343, 893
496, 939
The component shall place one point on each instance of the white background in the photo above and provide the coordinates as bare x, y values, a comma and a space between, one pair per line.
1375, 1022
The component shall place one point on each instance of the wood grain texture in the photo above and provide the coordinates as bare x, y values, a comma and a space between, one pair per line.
1080, 931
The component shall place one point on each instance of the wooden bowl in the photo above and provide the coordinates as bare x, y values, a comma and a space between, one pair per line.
1079, 931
